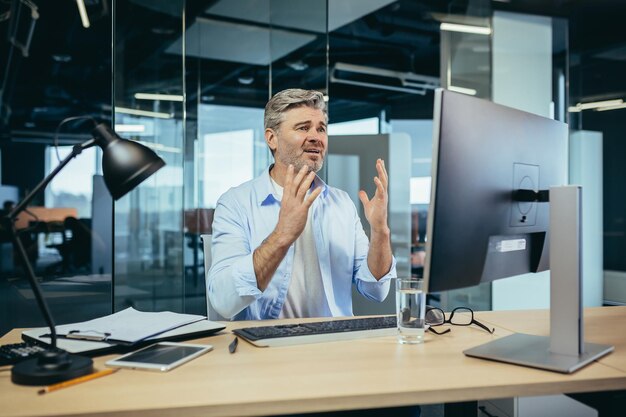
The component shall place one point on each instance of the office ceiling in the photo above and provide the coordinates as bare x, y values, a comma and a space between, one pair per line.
67, 70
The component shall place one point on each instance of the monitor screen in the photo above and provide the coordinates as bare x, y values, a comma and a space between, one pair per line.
482, 153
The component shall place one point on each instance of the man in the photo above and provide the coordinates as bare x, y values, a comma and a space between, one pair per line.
285, 244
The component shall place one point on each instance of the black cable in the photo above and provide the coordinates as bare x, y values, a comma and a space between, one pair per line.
68, 119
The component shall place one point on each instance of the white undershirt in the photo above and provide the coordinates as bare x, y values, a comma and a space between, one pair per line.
305, 297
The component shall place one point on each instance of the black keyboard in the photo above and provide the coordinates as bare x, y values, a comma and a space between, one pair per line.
319, 331
17, 352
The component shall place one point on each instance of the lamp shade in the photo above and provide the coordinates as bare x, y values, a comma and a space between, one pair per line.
125, 163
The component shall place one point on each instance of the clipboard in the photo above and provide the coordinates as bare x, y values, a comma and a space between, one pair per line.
128, 326
193, 330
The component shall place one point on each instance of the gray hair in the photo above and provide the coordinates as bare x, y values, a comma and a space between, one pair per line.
289, 99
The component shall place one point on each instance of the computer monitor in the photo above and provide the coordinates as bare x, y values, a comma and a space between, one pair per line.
482, 153
498, 191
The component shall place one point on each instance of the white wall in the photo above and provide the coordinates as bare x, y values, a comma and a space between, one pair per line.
351, 165
586, 170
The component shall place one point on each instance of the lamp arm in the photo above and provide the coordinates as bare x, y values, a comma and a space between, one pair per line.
9, 223
32, 279
76, 150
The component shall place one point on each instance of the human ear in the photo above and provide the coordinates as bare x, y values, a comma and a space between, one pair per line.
271, 139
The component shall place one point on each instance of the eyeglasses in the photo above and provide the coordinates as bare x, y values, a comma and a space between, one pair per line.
460, 316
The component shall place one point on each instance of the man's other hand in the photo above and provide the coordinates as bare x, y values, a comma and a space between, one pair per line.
376, 209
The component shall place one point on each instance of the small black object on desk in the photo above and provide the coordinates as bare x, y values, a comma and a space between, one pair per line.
233, 345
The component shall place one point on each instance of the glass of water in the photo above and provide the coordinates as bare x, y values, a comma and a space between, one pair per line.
411, 310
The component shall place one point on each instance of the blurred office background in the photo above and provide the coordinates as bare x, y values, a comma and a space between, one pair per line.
190, 79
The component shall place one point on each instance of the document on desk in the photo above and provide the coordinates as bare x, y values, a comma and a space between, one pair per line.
196, 329
127, 326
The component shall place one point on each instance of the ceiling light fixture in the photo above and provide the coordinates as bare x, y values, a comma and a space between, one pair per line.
63, 58
146, 113
615, 107
298, 65
156, 96
245, 79
597, 105
160, 147
456, 27
122, 128
82, 10
359, 75
463, 90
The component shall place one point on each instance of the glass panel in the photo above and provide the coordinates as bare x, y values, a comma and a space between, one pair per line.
524, 71
148, 221
230, 152
298, 45
597, 75
369, 126
466, 67
227, 60
57, 70
383, 66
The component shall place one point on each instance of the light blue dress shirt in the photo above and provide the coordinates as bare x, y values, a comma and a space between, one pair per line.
247, 214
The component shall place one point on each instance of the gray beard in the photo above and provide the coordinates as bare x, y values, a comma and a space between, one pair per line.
298, 163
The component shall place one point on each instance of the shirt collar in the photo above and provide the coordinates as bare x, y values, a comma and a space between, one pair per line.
266, 194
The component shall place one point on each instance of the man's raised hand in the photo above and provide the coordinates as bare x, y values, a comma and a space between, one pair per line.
295, 204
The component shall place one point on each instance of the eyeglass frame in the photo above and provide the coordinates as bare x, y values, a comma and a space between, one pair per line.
449, 320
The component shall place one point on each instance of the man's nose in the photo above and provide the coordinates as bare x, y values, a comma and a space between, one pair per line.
314, 137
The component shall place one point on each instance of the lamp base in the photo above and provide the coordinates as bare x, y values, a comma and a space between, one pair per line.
51, 367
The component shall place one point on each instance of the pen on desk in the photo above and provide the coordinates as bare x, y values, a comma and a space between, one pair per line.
78, 380
233, 345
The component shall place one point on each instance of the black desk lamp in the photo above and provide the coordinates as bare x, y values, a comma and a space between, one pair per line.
125, 164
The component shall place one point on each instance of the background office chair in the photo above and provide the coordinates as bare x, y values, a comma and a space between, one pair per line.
206, 247
75, 249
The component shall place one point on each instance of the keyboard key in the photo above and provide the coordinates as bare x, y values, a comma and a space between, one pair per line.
17, 352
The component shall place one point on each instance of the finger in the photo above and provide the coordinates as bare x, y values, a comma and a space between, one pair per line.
363, 197
311, 198
385, 175
305, 185
297, 181
382, 172
289, 177
380, 189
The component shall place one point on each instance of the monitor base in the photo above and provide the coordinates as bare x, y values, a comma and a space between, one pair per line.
534, 351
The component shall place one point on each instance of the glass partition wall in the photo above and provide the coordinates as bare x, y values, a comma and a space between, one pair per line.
190, 80
228, 82
238, 54
56, 74
377, 63
148, 70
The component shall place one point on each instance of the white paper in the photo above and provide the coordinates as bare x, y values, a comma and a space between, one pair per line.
128, 325
86, 346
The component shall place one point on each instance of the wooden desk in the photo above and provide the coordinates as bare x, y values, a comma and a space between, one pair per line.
366, 373
602, 325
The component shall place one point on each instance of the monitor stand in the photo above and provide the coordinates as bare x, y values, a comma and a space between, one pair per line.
564, 350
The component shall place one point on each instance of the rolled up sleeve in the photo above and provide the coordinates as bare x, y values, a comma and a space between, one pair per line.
366, 284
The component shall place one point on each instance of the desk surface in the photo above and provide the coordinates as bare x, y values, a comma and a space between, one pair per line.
367, 373
44, 214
